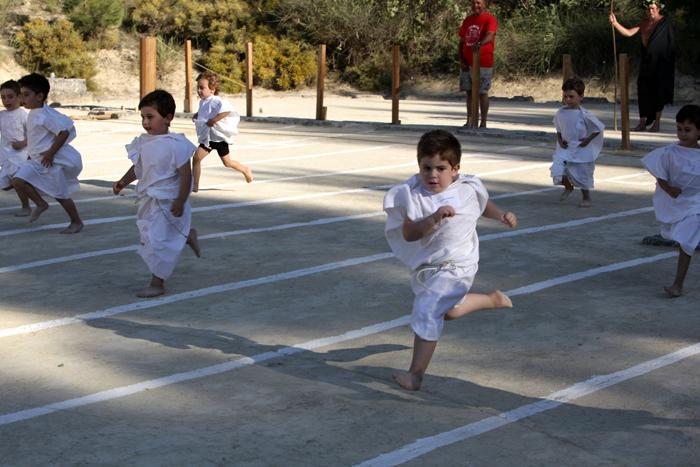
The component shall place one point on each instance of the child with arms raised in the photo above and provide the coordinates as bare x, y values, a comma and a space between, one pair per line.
216, 123
54, 165
13, 140
431, 227
162, 165
677, 196
579, 142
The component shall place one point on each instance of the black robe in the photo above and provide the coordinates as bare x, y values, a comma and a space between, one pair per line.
657, 71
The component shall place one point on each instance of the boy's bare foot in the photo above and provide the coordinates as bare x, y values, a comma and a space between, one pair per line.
72, 228
407, 381
23, 212
585, 203
195, 188
36, 213
500, 300
482, 125
248, 174
193, 242
151, 291
673, 291
565, 194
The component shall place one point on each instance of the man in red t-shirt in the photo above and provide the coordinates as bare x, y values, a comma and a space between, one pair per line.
477, 34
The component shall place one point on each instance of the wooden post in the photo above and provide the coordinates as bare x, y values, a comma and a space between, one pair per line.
188, 76
320, 81
395, 84
476, 85
625, 100
148, 65
567, 68
249, 79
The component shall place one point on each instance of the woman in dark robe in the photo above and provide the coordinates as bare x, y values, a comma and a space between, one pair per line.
656, 78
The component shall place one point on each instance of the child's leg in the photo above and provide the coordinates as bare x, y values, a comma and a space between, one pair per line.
199, 155
76, 224
422, 353
475, 302
676, 289
23, 187
235, 165
155, 288
568, 188
25, 210
585, 199
193, 242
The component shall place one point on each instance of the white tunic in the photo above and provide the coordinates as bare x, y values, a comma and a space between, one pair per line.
13, 128
576, 162
156, 159
61, 179
679, 217
224, 130
443, 263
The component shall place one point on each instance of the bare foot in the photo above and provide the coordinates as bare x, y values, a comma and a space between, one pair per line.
654, 128
248, 174
483, 125
36, 213
407, 381
23, 212
500, 300
673, 291
151, 291
585, 203
640, 127
565, 194
195, 188
72, 228
193, 242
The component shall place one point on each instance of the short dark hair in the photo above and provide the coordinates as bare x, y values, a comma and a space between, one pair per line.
212, 80
689, 113
37, 83
441, 143
12, 85
574, 84
162, 101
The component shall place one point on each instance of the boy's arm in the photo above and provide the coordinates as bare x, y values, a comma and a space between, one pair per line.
672, 191
562, 142
585, 141
218, 117
123, 182
492, 211
48, 155
185, 173
414, 231
19, 144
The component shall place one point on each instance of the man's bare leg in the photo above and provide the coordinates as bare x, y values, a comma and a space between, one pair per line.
676, 289
484, 105
476, 302
155, 288
76, 224
23, 187
235, 165
585, 199
656, 126
642, 125
193, 242
422, 353
199, 156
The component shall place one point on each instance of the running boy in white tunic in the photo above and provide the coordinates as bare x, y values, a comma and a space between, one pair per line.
579, 142
431, 228
677, 196
162, 165
216, 123
54, 165
13, 140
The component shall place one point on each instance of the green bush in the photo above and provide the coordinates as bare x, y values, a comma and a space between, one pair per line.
222, 59
282, 64
93, 18
54, 47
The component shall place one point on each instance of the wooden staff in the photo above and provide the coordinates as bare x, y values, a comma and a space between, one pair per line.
614, 38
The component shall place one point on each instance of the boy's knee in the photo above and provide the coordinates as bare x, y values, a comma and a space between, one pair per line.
18, 183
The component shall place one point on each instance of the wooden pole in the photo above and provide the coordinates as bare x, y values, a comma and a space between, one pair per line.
476, 85
614, 39
567, 67
148, 65
249, 79
395, 84
188, 76
320, 81
624, 100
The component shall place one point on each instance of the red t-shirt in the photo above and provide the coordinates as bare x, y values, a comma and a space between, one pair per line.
474, 29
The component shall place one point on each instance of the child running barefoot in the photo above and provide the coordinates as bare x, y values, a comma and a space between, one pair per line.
162, 165
677, 196
431, 227
13, 140
579, 142
54, 165
216, 123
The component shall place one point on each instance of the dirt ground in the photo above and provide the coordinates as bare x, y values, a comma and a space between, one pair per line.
278, 345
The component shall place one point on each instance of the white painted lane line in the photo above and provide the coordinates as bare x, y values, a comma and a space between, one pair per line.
285, 351
552, 401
